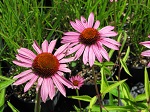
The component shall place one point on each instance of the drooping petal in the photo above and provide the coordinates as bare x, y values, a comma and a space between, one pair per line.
59, 85
23, 59
79, 52
84, 22
22, 74
111, 41
91, 20
75, 26
27, 53
61, 49
22, 64
62, 66
44, 90
86, 55
64, 81
66, 60
51, 88
74, 49
45, 46
60, 73
72, 33
36, 47
97, 53
109, 34
51, 46
30, 83
146, 44
40, 80
104, 53
96, 25
24, 79
109, 45
65, 70
91, 56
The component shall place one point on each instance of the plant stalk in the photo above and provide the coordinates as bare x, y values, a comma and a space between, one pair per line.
77, 92
37, 107
96, 88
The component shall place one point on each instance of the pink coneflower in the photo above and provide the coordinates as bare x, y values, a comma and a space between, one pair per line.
89, 41
147, 52
45, 68
77, 81
113, 0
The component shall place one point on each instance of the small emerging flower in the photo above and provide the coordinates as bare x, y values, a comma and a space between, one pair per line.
113, 0
44, 68
147, 52
77, 81
89, 41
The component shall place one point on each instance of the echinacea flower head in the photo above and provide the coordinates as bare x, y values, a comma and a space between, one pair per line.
89, 41
77, 81
44, 68
147, 52
113, 0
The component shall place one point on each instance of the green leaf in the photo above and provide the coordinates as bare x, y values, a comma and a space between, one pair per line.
5, 78
114, 108
93, 101
125, 67
126, 55
104, 83
4, 84
12, 107
111, 87
140, 97
146, 84
83, 98
2, 99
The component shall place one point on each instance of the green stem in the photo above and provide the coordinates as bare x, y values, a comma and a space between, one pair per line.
37, 107
115, 19
96, 88
78, 100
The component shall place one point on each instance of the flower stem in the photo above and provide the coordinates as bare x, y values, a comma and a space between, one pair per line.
96, 88
78, 100
37, 107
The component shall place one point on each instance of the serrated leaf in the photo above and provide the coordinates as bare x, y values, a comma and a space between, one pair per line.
109, 88
125, 67
82, 97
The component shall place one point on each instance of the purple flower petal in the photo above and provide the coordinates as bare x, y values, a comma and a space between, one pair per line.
22, 64
97, 53
84, 22
23, 59
51, 88
96, 25
91, 56
30, 83
79, 52
59, 85
146, 53
91, 20
36, 47
22, 74
40, 80
64, 81
44, 90
27, 53
51, 46
86, 55
45, 46
146, 44
72, 33
24, 79
75, 26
